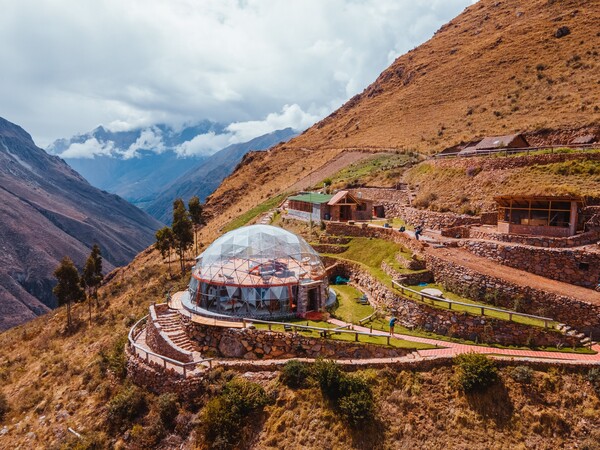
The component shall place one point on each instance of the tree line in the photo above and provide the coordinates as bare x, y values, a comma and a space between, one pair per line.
182, 235
75, 287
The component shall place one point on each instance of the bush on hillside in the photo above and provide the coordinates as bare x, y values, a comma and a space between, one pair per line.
114, 360
168, 409
223, 418
351, 395
126, 406
522, 374
3, 406
474, 372
295, 374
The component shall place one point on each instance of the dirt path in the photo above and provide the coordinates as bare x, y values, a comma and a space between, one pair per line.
331, 168
516, 276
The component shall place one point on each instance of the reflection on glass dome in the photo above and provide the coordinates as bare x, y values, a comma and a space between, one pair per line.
259, 270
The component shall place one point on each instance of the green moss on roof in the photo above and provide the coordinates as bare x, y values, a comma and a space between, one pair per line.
312, 198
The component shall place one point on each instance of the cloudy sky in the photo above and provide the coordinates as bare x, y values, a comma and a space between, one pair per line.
71, 65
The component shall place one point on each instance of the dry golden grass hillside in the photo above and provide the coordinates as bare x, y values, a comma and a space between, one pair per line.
497, 68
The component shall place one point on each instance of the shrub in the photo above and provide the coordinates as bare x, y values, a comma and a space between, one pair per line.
3, 406
168, 409
223, 417
474, 372
593, 377
126, 406
114, 360
356, 402
295, 374
330, 378
522, 374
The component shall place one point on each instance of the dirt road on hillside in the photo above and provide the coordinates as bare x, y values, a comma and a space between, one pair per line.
331, 168
516, 276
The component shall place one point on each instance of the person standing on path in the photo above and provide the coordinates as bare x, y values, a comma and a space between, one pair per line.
393, 321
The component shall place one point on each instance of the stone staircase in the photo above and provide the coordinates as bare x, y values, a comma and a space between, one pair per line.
566, 329
171, 326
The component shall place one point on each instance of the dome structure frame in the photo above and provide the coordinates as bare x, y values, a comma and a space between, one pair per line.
259, 271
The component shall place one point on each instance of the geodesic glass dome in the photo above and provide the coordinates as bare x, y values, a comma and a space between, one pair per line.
253, 270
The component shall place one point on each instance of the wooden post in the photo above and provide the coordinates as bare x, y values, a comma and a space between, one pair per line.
184, 372
269, 327
482, 311
510, 316
388, 339
355, 337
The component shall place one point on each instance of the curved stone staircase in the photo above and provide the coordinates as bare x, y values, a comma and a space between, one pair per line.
171, 325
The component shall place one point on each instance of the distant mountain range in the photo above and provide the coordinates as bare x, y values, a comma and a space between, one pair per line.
47, 211
203, 179
150, 167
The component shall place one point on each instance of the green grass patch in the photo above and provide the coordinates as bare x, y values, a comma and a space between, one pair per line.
396, 222
386, 168
254, 212
348, 309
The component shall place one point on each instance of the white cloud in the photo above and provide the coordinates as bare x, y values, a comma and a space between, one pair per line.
204, 144
88, 149
68, 65
291, 116
150, 139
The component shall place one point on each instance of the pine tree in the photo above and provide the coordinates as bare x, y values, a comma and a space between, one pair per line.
92, 277
164, 243
68, 288
182, 231
197, 216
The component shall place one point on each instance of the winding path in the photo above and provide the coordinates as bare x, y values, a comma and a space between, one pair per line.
449, 349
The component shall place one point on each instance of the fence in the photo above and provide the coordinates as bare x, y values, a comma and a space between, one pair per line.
512, 151
150, 356
435, 301
324, 332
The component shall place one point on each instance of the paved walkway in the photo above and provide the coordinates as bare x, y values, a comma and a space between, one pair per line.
451, 348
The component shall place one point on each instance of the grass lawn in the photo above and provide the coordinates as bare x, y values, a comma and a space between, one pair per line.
254, 212
349, 310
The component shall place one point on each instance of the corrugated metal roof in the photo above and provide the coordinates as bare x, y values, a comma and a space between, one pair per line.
587, 139
497, 141
312, 197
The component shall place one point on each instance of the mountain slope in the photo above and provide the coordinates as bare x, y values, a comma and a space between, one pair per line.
495, 69
206, 176
48, 211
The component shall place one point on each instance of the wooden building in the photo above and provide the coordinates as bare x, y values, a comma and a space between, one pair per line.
342, 206
495, 143
539, 215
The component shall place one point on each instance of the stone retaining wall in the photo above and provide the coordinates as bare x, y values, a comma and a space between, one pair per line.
159, 342
410, 264
254, 344
583, 316
589, 237
407, 278
436, 220
159, 380
329, 248
448, 322
574, 266
340, 240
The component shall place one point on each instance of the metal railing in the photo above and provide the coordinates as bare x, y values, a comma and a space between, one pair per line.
167, 362
324, 332
526, 150
433, 300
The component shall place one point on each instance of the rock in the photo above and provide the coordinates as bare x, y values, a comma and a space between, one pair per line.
231, 347
3, 431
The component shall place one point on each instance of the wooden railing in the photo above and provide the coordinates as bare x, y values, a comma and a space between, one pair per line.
525, 150
324, 332
167, 362
433, 300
